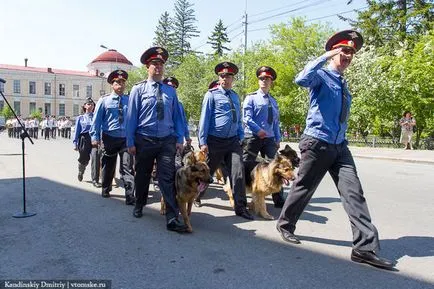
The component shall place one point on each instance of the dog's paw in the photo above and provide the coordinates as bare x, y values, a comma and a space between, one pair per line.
267, 216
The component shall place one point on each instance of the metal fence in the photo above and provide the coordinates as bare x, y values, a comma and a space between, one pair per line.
374, 141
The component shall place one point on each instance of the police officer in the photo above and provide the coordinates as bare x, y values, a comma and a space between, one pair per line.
324, 149
262, 125
221, 133
108, 126
82, 142
155, 131
173, 82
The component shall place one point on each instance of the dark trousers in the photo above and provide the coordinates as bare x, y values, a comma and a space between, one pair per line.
47, 131
68, 132
86, 153
163, 150
268, 149
95, 162
318, 157
228, 153
35, 132
114, 146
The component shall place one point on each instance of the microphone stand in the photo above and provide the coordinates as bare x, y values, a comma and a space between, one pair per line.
23, 135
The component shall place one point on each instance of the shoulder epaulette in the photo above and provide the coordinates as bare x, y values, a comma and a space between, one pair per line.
140, 82
252, 93
213, 89
105, 95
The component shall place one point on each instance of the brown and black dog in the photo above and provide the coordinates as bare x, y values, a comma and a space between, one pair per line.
188, 182
266, 178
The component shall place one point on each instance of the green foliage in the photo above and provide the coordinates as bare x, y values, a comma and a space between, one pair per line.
7, 112
165, 35
218, 39
37, 114
390, 25
184, 29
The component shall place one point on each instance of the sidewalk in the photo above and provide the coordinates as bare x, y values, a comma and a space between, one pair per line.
413, 156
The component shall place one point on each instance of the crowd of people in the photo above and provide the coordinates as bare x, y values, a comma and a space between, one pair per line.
50, 127
148, 127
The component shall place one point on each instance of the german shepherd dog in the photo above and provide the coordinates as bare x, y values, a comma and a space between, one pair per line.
263, 178
189, 180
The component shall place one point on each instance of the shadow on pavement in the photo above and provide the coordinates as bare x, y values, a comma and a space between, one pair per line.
76, 234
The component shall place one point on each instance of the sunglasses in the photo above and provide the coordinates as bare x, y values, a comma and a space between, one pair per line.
262, 78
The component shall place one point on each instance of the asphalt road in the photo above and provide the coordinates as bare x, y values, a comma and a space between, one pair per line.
76, 234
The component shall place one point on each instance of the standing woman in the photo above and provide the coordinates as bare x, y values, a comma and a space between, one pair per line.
82, 141
407, 123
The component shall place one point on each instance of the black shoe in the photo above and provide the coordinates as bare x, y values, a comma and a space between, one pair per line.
244, 214
130, 200
288, 237
176, 226
370, 258
80, 176
105, 194
138, 212
96, 184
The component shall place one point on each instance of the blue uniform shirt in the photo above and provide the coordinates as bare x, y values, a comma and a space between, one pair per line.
142, 117
82, 125
325, 92
255, 115
184, 117
216, 117
106, 116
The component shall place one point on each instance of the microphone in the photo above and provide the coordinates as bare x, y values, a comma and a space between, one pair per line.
2, 80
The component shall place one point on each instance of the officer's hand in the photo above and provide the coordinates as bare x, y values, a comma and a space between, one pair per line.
204, 148
179, 147
331, 53
132, 150
95, 143
262, 134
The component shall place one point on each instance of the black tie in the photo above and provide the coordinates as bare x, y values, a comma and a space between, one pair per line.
120, 109
234, 114
160, 103
270, 110
344, 109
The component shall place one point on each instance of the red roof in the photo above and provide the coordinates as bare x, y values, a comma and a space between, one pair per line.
46, 70
112, 56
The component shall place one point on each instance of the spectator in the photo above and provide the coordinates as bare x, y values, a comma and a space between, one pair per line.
407, 124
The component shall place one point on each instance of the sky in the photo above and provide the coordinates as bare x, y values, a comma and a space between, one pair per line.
66, 34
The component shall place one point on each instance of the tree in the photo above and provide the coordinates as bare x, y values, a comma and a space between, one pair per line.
218, 39
391, 24
185, 29
165, 35
7, 112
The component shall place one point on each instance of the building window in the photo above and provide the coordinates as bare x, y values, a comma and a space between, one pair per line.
2, 104
47, 109
47, 88
88, 91
75, 109
17, 86
62, 89
61, 109
32, 87
32, 107
75, 90
2, 87
17, 107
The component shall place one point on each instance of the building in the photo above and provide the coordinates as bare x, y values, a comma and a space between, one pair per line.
58, 92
